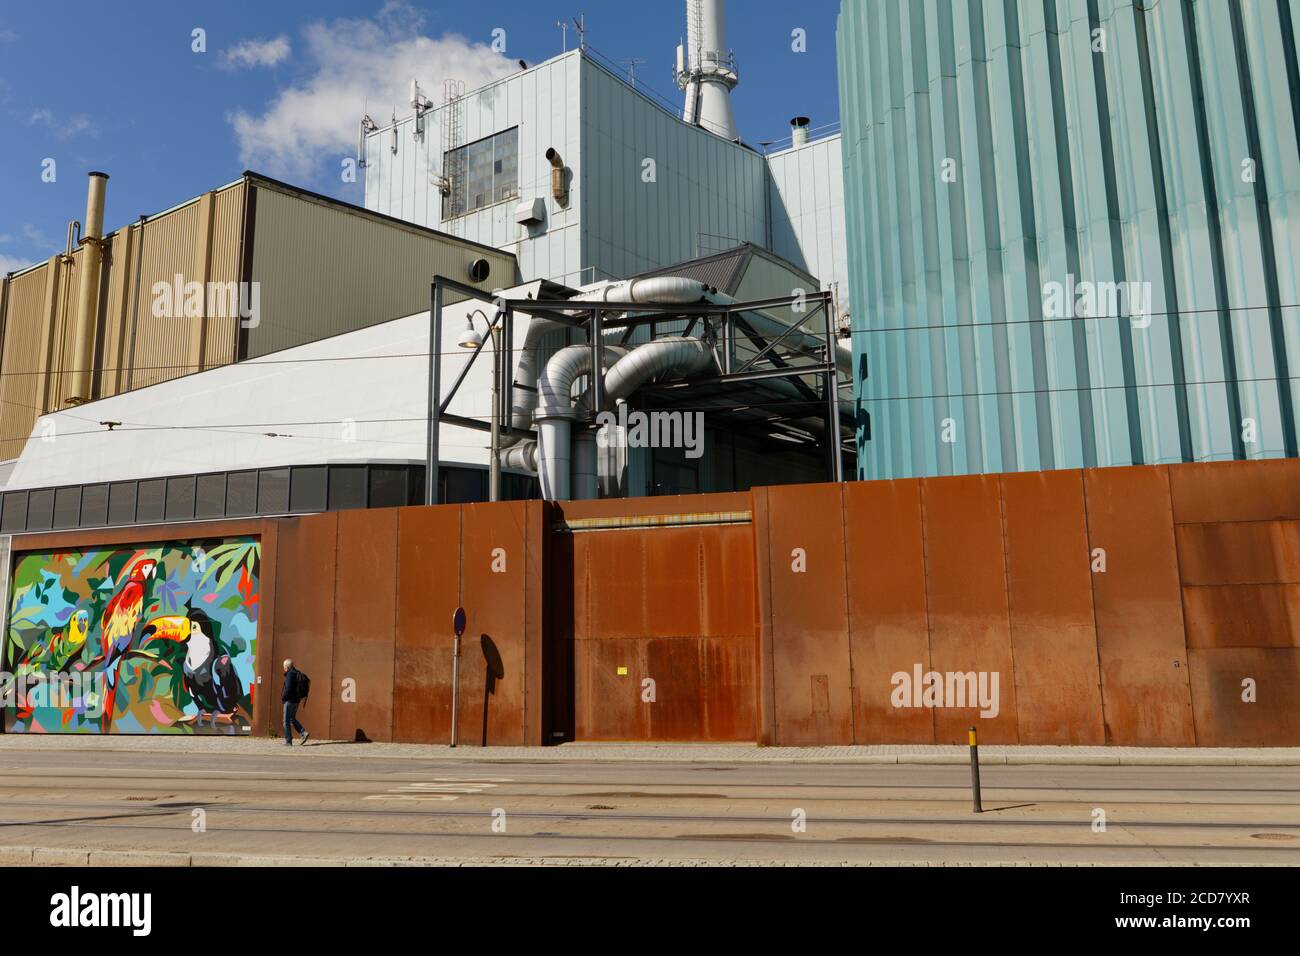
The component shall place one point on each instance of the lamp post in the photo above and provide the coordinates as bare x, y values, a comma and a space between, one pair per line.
471, 339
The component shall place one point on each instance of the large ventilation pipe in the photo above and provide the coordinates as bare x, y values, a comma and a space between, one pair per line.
556, 413
83, 333
706, 71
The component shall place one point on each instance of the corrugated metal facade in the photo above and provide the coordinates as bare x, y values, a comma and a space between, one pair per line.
807, 211
645, 189
543, 102
322, 269
1086, 143
133, 347
706, 194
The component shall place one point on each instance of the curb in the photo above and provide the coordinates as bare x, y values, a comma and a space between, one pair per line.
558, 755
41, 856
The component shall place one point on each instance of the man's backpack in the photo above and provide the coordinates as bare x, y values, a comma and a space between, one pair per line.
303, 686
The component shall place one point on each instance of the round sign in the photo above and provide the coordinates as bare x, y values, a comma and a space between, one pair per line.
458, 621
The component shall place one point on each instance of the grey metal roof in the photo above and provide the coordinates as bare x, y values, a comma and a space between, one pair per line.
721, 271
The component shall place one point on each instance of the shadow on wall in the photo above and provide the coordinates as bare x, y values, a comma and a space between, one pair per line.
496, 670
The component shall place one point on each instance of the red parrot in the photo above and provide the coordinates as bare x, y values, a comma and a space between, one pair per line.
117, 627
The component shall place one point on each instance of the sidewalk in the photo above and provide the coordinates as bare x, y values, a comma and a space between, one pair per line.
676, 753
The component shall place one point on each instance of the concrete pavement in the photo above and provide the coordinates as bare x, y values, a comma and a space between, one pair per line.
990, 755
239, 802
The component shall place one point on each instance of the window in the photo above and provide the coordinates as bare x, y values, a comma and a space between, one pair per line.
481, 173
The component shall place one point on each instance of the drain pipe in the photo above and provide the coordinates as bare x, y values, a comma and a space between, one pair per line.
83, 335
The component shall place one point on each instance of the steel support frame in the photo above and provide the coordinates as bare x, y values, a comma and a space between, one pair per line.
595, 324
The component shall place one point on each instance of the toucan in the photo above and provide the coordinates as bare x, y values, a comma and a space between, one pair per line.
208, 674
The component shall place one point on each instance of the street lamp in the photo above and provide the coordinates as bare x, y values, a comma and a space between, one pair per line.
471, 339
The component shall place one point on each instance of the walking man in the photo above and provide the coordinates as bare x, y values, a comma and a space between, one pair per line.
295, 685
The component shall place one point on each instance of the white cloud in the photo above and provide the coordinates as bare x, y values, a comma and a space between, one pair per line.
77, 125
357, 64
255, 53
14, 263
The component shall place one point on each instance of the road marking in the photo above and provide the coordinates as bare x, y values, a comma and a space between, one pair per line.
440, 788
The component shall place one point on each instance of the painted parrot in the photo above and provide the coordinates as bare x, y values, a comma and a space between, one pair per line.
117, 626
208, 674
66, 645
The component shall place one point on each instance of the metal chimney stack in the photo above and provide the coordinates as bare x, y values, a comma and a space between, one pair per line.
706, 69
87, 316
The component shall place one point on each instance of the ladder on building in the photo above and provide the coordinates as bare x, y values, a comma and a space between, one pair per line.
453, 157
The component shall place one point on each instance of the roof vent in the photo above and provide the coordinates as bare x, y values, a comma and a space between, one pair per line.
799, 130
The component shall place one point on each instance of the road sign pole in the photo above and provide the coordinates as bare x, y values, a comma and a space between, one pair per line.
458, 627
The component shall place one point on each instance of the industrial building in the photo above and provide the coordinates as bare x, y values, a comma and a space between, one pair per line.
309, 267
1073, 231
584, 177
523, 189
558, 251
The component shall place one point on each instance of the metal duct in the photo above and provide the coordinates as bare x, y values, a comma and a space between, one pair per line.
653, 359
657, 289
654, 289
559, 190
556, 412
520, 457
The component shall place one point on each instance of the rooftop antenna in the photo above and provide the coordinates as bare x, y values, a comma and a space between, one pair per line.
421, 104
631, 65
368, 126
580, 22
564, 27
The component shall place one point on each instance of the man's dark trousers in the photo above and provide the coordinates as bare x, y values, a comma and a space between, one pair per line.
291, 720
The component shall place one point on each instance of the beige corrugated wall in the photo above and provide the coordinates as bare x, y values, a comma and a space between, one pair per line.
321, 269
324, 270
134, 348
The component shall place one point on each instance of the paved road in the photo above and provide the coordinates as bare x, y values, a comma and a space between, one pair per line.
346, 809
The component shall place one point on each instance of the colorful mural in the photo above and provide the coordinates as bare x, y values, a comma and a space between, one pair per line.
140, 639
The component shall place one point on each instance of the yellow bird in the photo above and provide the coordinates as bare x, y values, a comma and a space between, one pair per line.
67, 645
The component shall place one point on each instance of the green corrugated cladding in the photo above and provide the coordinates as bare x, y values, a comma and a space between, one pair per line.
1112, 141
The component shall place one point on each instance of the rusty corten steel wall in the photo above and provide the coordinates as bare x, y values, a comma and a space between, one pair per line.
1049, 587
428, 576
1237, 527
1155, 605
674, 605
966, 586
889, 624
306, 566
805, 626
1146, 697
1122, 605
369, 597
365, 595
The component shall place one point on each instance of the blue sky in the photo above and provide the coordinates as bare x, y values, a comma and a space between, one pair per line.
281, 86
